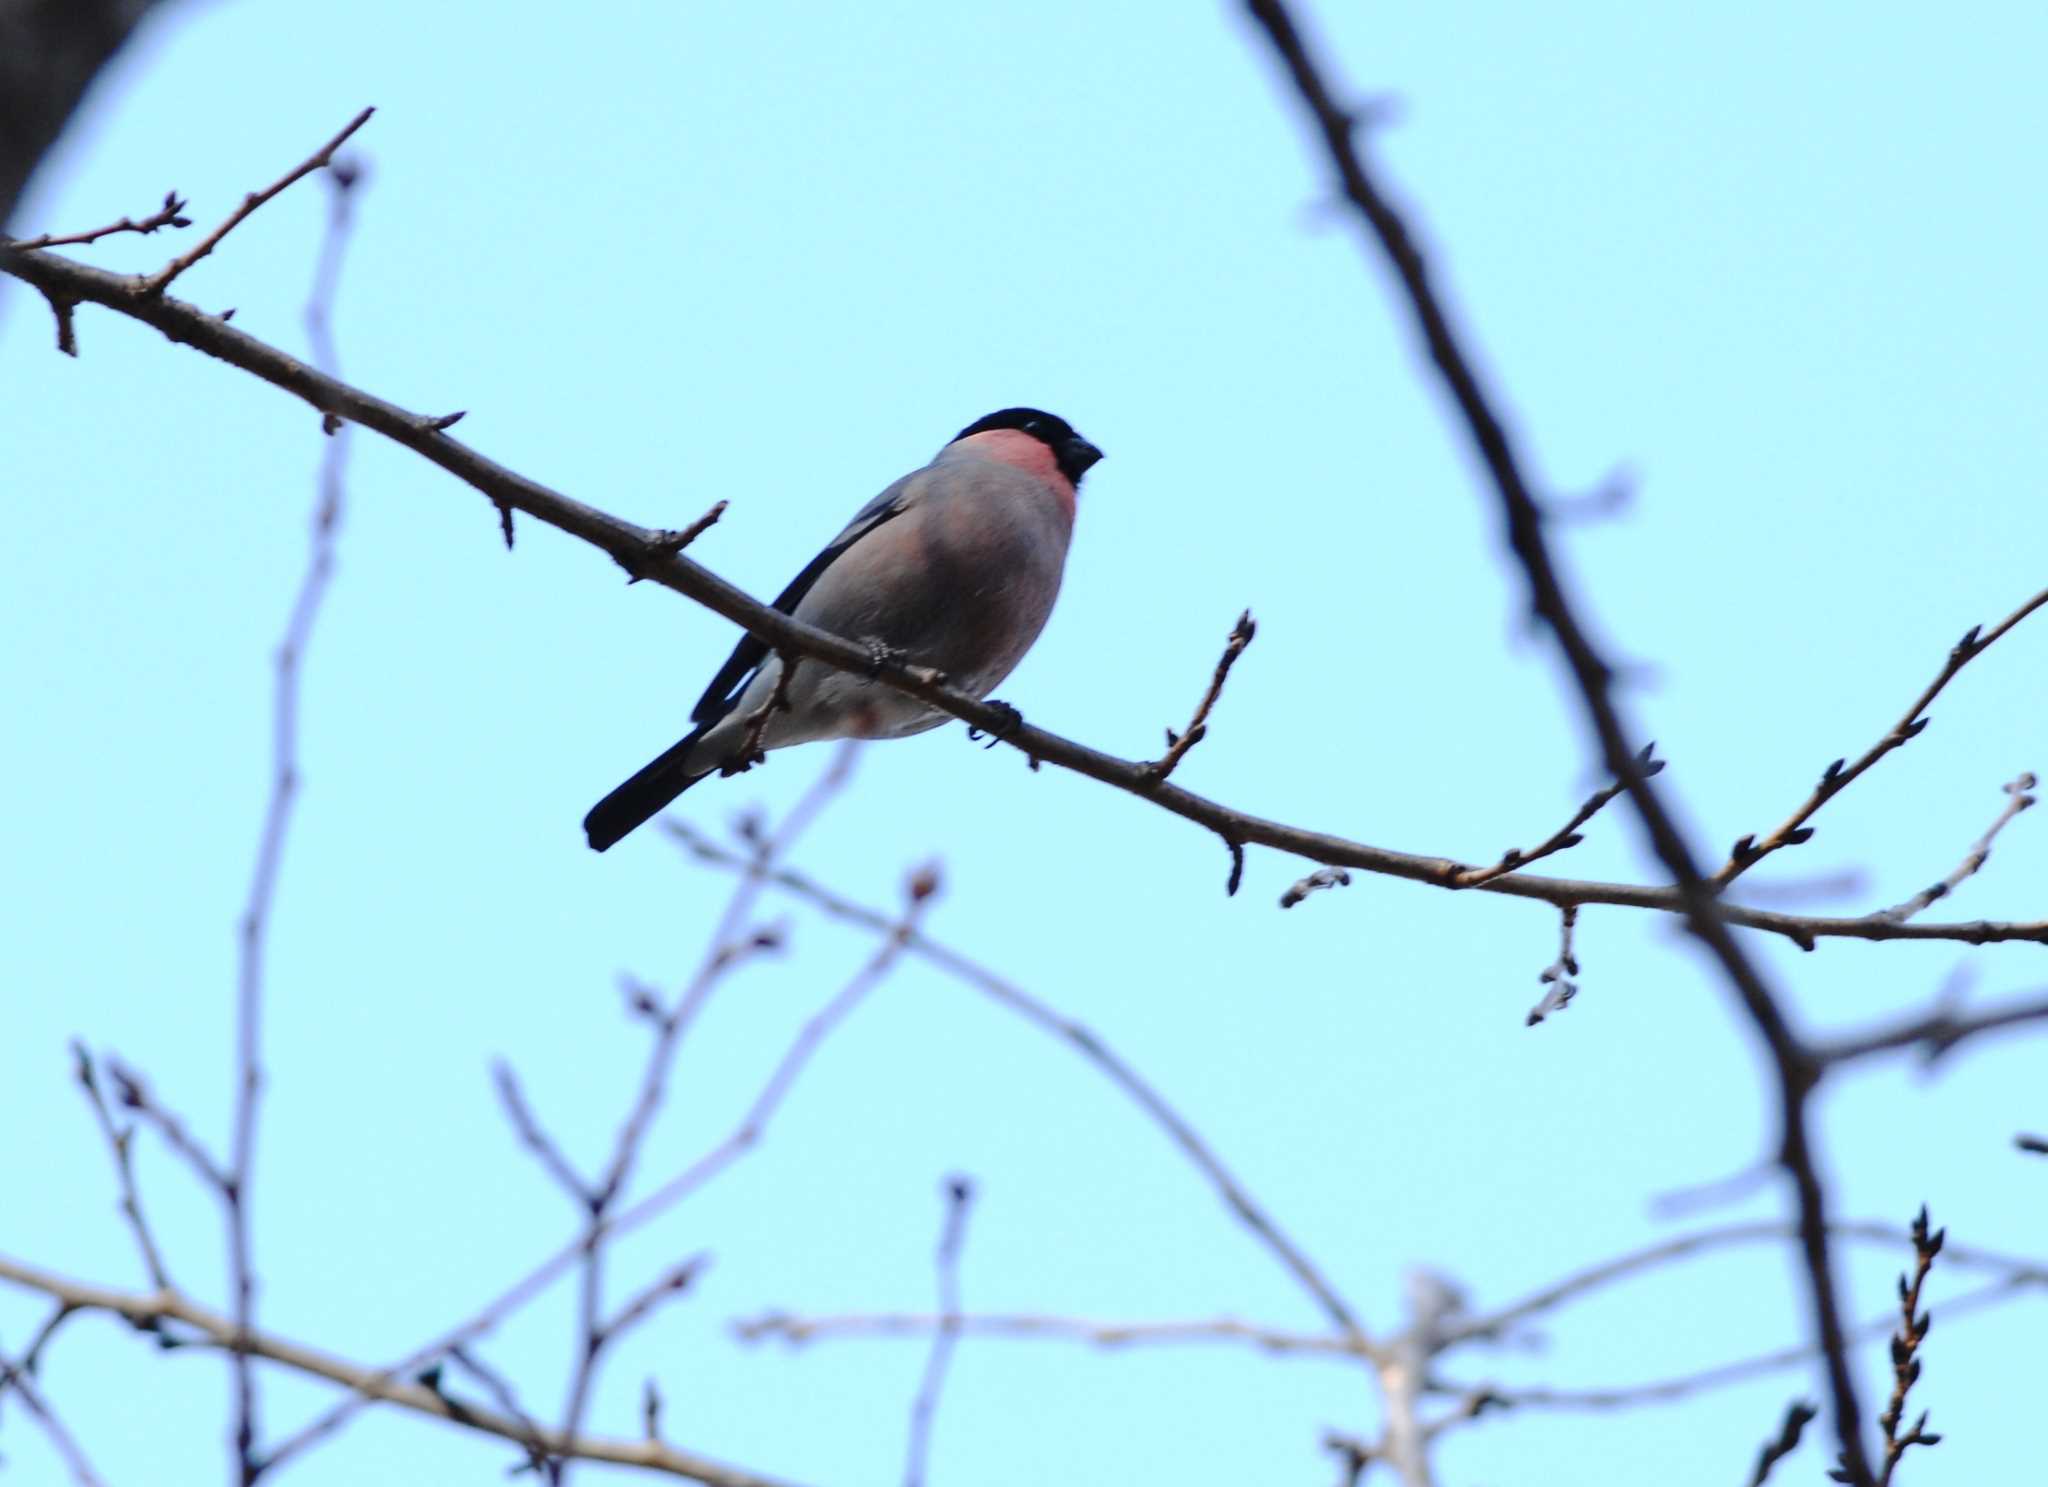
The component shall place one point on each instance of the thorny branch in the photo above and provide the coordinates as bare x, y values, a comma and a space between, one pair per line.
1178, 744
640, 550
1839, 775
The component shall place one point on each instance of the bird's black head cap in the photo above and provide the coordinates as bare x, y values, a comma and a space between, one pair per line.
1072, 453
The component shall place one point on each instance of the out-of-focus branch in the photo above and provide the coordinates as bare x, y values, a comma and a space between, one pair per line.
1687, 1385
214, 1330
924, 1409
50, 52
1794, 1070
1797, 1417
798, 1331
1084, 1041
642, 553
121, 1147
1935, 1034
14, 1378
746, 1135
1839, 775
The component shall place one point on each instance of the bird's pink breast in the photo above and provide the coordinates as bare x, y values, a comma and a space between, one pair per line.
1021, 451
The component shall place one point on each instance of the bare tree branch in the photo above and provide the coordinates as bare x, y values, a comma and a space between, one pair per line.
1793, 1066
15, 1377
1797, 1417
167, 215
161, 280
121, 1147
1178, 744
217, 1331
1091, 1047
1565, 836
924, 1408
1839, 775
642, 552
2017, 800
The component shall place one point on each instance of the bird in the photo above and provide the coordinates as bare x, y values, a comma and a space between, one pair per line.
955, 567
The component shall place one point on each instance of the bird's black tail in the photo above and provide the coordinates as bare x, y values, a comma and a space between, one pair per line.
643, 797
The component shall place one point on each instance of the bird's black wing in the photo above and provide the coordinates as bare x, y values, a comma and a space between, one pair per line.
724, 691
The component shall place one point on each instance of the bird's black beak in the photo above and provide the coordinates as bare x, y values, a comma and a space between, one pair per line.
1076, 457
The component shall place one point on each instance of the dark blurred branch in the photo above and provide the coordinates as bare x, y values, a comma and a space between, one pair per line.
1797, 1417
1793, 1068
50, 52
1913, 1325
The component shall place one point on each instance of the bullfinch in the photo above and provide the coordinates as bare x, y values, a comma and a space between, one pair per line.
955, 567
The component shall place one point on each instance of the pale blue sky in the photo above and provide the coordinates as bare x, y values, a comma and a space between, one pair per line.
1783, 266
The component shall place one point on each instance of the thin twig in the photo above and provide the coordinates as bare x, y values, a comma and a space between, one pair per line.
16, 1378
1797, 1417
796, 1330
158, 282
668, 544
507, 1398
133, 1093
1935, 1034
121, 1147
668, 1285
1565, 836
2017, 800
533, 1138
1560, 977
1913, 1325
1178, 744
1839, 775
744, 1137
167, 215
215, 1330
924, 1408
1083, 1040
1794, 1072
1686, 1386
